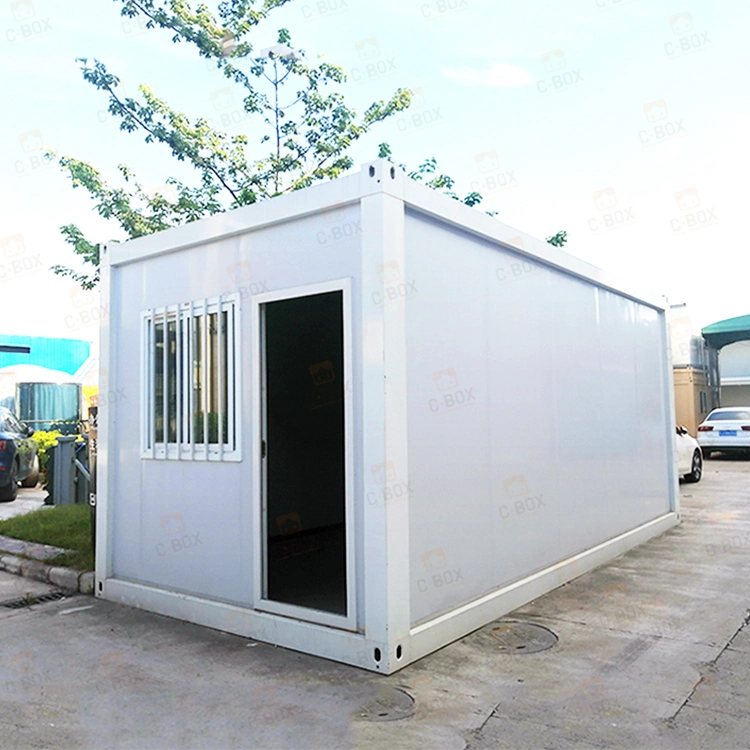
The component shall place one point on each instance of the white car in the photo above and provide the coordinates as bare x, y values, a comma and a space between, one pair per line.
688, 456
725, 429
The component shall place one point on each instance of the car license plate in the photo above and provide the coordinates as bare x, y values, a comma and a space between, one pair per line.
727, 433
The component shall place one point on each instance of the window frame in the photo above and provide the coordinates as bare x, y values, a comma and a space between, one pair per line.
179, 369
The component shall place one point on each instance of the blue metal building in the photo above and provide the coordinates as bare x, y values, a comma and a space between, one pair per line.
66, 355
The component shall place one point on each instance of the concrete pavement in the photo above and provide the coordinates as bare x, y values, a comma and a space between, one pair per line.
653, 652
13, 587
28, 499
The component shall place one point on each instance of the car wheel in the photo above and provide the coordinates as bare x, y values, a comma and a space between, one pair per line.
11, 491
33, 478
697, 468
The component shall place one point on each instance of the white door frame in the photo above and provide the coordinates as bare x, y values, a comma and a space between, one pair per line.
348, 622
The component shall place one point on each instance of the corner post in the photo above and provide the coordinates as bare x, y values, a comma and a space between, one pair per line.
107, 350
385, 455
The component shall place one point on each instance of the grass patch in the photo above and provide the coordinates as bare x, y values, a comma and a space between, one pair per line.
67, 526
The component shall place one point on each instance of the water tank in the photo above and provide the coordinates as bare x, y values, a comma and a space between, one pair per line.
46, 406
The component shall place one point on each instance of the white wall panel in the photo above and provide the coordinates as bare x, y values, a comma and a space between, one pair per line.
560, 444
187, 525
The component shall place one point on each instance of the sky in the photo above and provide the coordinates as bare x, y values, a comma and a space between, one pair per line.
623, 122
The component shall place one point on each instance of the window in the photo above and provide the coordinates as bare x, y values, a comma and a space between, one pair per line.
729, 414
190, 383
704, 402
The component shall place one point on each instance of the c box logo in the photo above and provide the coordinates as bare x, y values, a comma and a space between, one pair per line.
604, 199
222, 99
389, 272
13, 245
516, 486
687, 199
681, 23
488, 162
239, 272
22, 10
384, 473
418, 98
31, 141
554, 60
290, 523
681, 328
368, 49
445, 379
81, 297
22, 662
434, 559
656, 110
322, 372
172, 524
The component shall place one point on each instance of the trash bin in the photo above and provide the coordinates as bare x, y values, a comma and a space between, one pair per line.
63, 471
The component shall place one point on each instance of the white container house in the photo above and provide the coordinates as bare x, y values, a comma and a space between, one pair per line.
363, 420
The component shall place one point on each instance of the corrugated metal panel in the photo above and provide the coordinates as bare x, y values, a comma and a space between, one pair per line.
66, 355
43, 404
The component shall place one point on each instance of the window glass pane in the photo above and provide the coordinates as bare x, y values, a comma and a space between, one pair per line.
184, 380
737, 414
172, 381
197, 379
159, 382
225, 374
193, 387
212, 384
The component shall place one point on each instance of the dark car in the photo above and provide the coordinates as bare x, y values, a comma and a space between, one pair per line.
19, 461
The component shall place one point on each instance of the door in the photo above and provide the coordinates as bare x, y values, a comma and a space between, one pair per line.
305, 503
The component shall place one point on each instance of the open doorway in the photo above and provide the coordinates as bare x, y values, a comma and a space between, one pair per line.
304, 452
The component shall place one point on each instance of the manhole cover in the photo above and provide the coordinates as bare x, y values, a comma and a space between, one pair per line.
516, 637
391, 704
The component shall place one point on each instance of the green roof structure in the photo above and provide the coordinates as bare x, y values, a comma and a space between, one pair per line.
727, 331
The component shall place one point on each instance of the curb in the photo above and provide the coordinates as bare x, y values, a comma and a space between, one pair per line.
64, 578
